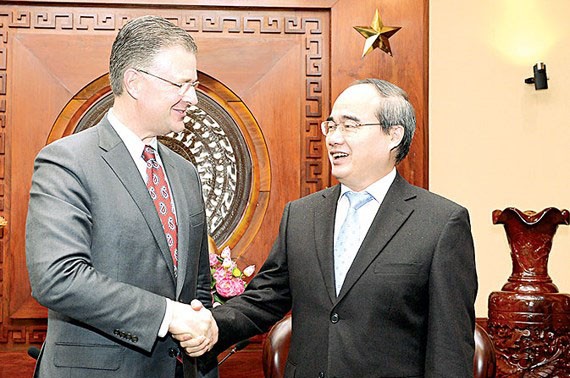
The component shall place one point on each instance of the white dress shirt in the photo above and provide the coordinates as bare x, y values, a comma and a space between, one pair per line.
368, 211
134, 144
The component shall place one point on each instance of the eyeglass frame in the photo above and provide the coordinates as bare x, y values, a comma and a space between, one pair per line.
193, 84
342, 126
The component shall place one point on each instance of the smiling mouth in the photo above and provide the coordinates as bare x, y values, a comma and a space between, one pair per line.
181, 113
338, 155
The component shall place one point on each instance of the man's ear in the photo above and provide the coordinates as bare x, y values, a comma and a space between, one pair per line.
132, 82
396, 135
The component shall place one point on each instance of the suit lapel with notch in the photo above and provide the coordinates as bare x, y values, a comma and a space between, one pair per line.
323, 223
392, 214
119, 160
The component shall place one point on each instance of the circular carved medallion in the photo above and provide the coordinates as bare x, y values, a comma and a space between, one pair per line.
217, 140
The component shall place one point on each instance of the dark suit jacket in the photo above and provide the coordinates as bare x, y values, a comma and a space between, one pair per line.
98, 258
406, 308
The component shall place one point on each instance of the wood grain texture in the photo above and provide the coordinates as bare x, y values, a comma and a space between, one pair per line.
16, 365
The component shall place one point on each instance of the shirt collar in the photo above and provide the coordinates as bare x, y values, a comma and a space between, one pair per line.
133, 143
377, 189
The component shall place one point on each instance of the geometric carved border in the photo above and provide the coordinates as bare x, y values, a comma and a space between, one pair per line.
33, 334
3, 122
312, 154
314, 171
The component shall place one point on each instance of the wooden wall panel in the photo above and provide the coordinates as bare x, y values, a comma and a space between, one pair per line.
407, 68
286, 60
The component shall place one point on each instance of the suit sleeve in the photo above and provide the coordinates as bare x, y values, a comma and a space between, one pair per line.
207, 364
265, 301
203, 290
58, 252
452, 292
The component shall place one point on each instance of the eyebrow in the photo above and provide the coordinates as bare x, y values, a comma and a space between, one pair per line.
184, 81
352, 118
346, 116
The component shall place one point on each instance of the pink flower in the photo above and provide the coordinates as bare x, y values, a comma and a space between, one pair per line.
214, 259
228, 288
226, 253
221, 274
227, 278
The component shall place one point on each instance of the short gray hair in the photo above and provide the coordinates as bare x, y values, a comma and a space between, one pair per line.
139, 41
394, 109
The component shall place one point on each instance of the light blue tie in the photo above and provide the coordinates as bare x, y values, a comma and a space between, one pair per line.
348, 239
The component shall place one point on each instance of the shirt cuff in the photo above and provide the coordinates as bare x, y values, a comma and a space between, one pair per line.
163, 330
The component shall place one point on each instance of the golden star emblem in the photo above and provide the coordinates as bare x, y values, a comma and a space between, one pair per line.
377, 35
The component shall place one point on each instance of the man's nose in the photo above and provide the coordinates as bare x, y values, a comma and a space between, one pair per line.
335, 136
190, 96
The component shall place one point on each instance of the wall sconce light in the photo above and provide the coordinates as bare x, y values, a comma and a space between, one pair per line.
539, 80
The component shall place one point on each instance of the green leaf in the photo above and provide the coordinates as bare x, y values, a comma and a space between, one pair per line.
218, 299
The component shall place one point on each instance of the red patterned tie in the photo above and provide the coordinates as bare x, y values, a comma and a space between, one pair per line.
160, 194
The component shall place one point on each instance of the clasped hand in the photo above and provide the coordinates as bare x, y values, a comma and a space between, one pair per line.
194, 327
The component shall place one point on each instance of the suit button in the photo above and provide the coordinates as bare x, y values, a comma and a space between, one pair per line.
334, 318
135, 339
173, 352
321, 374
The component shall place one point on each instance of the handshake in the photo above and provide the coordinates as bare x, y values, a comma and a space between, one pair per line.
194, 327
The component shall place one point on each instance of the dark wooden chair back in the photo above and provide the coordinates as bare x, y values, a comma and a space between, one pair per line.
276, 348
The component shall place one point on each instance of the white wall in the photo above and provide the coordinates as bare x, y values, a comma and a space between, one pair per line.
495, 141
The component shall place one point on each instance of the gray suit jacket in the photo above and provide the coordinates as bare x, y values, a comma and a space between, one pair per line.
98, 259
406, 308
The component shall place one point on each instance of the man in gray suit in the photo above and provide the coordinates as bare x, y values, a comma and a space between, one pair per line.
378, 287
116, 234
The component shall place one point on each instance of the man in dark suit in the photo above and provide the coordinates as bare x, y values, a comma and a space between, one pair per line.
385, 288
116, 234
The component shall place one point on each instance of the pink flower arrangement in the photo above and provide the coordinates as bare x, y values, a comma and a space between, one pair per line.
227, 279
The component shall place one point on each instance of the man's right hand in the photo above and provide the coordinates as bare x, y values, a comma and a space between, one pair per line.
194, 326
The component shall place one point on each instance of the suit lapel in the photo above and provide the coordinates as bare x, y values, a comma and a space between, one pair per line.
392, 214
119, 160
323, 219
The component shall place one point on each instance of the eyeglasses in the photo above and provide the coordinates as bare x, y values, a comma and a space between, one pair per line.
183, 87
345, 127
